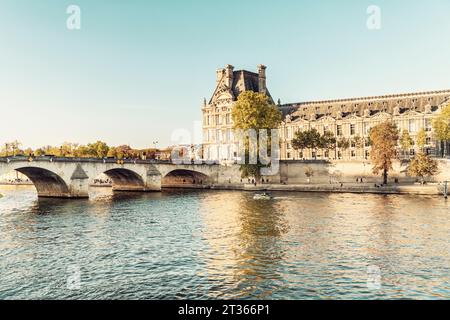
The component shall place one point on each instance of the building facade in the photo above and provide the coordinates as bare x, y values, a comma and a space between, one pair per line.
348, 119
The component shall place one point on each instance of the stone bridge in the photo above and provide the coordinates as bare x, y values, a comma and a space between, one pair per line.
70, 177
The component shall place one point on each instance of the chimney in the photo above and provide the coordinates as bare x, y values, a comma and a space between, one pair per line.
229, 75
219, 75
262, 78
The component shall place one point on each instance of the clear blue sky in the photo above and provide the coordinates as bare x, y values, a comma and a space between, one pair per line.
137, 70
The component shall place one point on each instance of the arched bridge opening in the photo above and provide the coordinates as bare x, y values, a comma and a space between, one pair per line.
185, 178
46, 182
125, 180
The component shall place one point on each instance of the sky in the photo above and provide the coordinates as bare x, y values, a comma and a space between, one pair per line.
138, 70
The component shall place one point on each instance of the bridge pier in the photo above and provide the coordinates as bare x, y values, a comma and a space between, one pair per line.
153, 180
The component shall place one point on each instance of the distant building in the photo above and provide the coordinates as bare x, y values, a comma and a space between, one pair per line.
349, 119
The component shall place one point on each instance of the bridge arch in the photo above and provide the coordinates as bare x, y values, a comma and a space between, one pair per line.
125, 180
184, 177
46, 182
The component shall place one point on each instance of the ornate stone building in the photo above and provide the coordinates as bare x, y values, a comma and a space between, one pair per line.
218, 139
348, 119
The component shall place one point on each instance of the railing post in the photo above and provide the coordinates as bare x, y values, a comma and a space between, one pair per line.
446, 189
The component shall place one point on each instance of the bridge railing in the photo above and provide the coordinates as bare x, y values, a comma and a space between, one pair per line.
83, 160
92, 160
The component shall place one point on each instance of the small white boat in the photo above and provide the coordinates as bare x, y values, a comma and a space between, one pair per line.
262, 196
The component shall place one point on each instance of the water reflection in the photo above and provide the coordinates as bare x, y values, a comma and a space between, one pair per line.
190, 244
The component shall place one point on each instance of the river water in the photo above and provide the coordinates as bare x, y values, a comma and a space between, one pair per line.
223, 244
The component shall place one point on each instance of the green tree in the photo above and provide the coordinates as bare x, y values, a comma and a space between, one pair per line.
343, 144
423, 166
406, 141
327, 141
384, 139
253, 111
310, 139
441, 126
300, 141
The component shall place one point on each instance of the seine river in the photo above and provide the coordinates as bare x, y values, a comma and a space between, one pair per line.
210, 245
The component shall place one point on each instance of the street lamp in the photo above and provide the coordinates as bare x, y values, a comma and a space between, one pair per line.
155, 143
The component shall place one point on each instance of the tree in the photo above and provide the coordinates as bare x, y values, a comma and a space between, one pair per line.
406, 141
300, 141
327, 141
124, 151
39, 152
359, 143
253, 111
82, 151
441, 126
309, 173
343, 144
423, 166
310, 139
15, 146
98, 149
68, 149
421, 139
384, 139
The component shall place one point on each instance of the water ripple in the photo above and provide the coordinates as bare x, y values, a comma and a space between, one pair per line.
209, 245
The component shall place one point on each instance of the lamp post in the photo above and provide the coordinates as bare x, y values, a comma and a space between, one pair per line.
155, 143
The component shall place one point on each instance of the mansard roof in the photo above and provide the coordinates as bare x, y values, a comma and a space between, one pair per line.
243, 80
368, 106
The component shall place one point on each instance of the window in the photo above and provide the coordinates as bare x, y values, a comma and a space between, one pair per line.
367, 154
288, 155
428, 141
228, 118
339, 130
412, 125
412, 152
210, 135
428, 125
218, 136
366, 128
353, 153
352, 129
